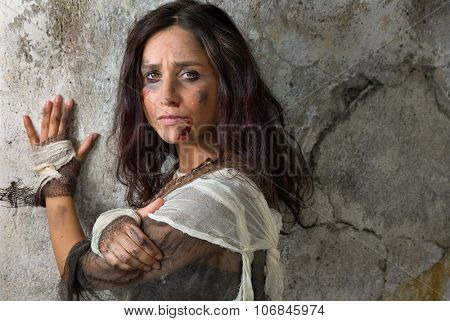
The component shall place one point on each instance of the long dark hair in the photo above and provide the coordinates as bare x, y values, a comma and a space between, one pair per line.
271, 155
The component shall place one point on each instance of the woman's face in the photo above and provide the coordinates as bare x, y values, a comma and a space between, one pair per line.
180, 86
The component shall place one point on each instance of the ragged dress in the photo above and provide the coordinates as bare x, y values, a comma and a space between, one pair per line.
219, 238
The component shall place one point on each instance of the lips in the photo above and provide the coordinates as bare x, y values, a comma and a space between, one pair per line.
171, 119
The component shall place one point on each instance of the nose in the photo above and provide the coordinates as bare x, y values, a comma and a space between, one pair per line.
168, 94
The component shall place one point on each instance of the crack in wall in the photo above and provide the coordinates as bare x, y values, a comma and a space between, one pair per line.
409, 238
364, 229
336, 227
383, 268
441, 98
412, 283
427, 285
339, 224
337, 220
348, 95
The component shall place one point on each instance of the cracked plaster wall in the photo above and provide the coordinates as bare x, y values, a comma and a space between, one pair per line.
365, 85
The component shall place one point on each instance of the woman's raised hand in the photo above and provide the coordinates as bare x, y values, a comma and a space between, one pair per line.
54, 126
126, 247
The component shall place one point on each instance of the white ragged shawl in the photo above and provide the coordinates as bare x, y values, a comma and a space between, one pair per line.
225, 208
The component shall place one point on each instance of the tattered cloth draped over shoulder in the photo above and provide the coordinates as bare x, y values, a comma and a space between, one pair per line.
227, 210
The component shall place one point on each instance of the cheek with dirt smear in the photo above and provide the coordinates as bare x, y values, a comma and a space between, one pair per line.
202, 97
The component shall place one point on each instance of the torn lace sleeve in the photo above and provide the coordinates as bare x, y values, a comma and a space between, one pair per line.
191, 268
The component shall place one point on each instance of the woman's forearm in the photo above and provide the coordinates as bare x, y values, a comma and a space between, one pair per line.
64, 227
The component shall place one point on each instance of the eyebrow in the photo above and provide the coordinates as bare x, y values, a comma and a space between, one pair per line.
147, 65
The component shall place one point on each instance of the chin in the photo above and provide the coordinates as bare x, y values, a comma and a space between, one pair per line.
169, 140
174, 138
176, 135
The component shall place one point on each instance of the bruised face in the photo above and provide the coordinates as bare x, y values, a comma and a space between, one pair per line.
180, 86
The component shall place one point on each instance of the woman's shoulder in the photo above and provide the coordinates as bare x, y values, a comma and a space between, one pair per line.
221, 184
228, 176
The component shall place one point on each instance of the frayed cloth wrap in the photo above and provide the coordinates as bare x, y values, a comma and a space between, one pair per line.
227, 209
49, 158
104, 219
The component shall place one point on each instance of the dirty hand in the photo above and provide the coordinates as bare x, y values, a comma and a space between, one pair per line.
125, 246
54, 127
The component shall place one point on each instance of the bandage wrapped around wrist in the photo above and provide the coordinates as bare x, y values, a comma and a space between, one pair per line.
56, 168
65, 185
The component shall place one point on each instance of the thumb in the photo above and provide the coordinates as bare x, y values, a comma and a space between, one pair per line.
86, 146
151, 208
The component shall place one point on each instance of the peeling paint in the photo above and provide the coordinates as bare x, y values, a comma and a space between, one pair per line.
429, 285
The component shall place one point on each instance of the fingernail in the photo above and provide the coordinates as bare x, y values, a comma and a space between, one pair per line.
156, 266
158, 257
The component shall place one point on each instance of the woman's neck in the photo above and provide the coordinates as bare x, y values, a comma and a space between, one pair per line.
191, 155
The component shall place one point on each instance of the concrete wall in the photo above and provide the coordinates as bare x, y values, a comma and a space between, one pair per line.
365, 85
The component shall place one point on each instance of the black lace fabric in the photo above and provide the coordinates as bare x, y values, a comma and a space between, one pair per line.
17, 194
191, 269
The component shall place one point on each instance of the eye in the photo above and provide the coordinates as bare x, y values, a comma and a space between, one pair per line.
151, 76
191, 75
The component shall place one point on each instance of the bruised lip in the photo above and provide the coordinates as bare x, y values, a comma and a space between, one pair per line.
171, 119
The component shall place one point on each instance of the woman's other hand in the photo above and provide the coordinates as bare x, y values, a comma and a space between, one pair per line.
54, 125
126, 247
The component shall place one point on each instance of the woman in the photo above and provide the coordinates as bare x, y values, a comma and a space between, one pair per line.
189, 89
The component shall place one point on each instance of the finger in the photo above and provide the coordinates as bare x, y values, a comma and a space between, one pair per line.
139, 258
125, 257
31, 132
144, 242
55, 117
86, 146
138, 253
46, 120
114, 261
67, 112
151, 208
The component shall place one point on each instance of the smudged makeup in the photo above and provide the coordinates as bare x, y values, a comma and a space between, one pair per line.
179, 86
